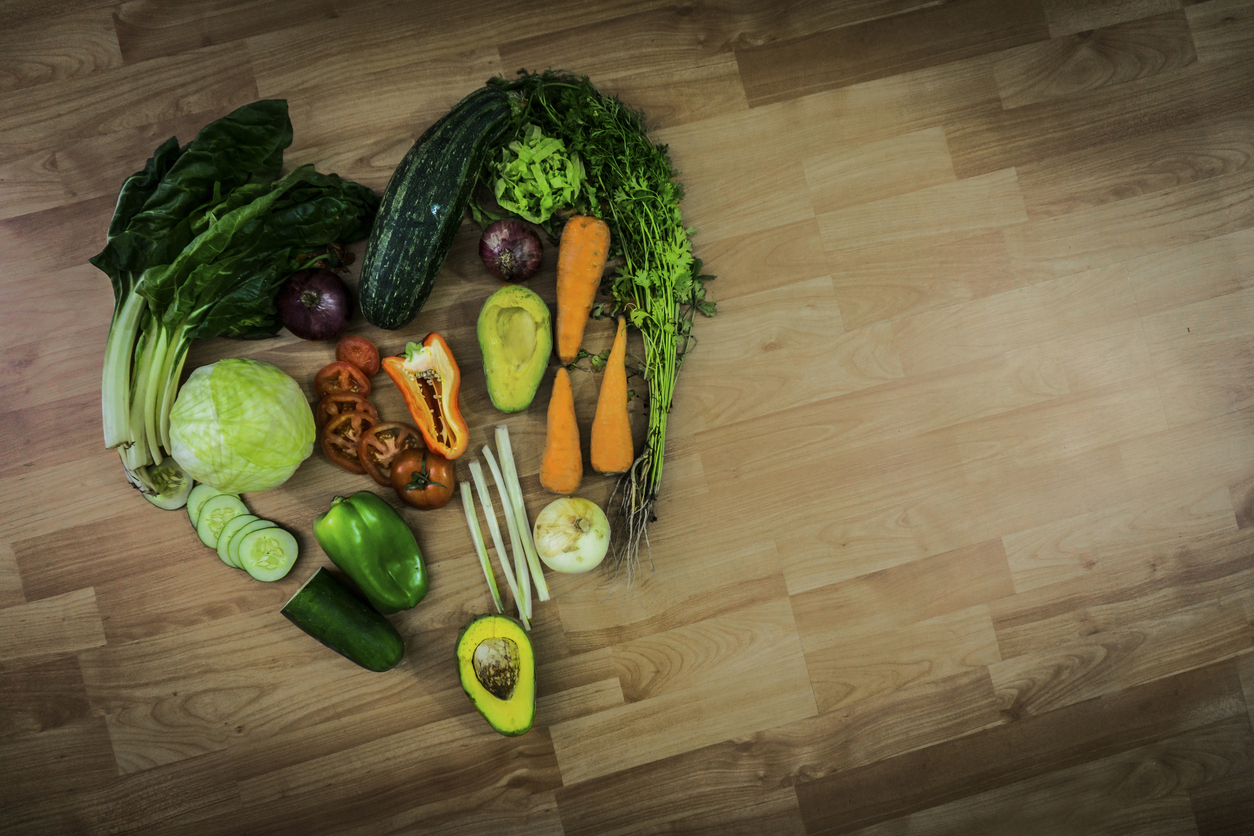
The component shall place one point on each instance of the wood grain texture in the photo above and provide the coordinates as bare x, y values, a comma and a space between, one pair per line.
932, 35
884, 791
1067, 17
68, 47
956, 532
1064, 66
1222, 29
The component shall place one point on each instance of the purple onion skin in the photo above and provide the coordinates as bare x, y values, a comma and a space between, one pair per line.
315, 305
511, 250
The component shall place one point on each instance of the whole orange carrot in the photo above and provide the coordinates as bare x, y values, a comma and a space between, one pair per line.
561, 469
581, 256
612, 449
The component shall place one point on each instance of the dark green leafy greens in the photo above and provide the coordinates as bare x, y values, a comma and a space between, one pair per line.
201, 240
630, 184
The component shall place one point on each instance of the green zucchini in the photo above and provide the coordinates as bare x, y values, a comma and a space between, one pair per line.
326, 610
423, 206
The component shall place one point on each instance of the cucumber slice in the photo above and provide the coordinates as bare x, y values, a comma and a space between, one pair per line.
267, 553
197, 499
215, 514
326, 610
232, 548
230, 530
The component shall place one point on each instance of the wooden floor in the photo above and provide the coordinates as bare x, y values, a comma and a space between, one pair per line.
957, 533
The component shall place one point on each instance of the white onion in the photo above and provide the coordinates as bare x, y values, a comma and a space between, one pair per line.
572, 535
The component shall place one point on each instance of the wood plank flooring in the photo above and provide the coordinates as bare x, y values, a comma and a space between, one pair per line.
957, 529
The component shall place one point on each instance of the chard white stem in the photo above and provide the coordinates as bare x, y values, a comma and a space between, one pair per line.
139, 452
115, 381
171, 391
153, 392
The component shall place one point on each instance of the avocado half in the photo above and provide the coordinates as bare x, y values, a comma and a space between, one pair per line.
497, 669
515, 338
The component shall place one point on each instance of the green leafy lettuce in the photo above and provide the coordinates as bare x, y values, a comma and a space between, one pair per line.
534, 177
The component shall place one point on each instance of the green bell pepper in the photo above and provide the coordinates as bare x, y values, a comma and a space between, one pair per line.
365, 537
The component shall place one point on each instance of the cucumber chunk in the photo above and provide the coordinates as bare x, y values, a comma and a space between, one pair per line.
268, 553
326, 610
230, 530
232, 548
173, 486
215, 514
197, 499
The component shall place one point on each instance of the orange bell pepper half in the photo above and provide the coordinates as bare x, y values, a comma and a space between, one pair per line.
429, 380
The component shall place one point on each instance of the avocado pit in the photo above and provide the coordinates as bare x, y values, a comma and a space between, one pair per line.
497, 669
496, 663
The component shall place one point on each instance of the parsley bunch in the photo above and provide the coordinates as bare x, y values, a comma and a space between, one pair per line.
660, 286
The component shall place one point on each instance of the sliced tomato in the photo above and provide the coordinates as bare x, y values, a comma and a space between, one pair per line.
333, 405
360, 352
341, 378
381, 444
341, 436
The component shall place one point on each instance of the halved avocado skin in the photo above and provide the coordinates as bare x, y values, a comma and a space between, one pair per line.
513, 371
516, 715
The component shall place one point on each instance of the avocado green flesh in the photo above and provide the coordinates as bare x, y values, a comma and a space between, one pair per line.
497, 669
515, 338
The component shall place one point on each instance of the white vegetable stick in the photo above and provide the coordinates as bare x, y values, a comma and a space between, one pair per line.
489, 512
520, 510
520, 558
468, 505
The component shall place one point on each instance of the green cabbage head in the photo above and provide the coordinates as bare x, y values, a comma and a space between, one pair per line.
241, 425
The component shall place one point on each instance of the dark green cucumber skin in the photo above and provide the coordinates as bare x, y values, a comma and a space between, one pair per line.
423, 205
326, 610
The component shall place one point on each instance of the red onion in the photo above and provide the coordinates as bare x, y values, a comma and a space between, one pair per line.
315, 305
511, 250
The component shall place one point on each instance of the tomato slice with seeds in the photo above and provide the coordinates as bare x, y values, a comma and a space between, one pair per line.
333, 405
360, 352
341, 378
341, 436
381, 444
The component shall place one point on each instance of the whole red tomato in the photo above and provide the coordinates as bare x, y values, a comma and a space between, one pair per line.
423, 479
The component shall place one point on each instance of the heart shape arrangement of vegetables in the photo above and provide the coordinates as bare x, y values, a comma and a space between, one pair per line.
208, 240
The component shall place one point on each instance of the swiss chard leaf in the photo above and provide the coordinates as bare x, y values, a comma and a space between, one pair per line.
115, 258
140, 186
225, 280
244, 146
